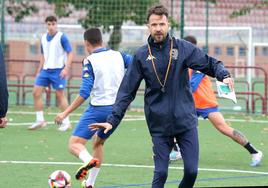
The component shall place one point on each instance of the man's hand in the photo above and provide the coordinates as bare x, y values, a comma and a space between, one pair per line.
65, 72
96, 126
3, 122
229, 82
59, 118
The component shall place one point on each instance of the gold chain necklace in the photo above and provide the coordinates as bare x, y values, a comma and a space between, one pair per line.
167, 71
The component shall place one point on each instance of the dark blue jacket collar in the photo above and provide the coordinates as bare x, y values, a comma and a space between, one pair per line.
159, 44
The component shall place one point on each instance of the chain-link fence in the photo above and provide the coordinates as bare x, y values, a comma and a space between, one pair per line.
123, 23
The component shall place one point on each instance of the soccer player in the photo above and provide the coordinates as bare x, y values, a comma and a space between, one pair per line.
103, 71
168, 103
54, 67
207, 107
3, 91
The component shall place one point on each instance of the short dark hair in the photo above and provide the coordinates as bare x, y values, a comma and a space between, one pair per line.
158, 10
51, 19
93, 36
191, 39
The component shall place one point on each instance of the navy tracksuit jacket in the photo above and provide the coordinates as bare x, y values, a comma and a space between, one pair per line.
172, 112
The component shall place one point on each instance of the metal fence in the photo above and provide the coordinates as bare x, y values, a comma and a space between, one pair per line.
123, 26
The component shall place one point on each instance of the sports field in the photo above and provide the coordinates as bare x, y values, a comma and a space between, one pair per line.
28, 157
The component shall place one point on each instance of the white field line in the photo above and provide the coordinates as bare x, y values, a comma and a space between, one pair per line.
248, 121
129, 166
52, 123
30, 123
54, 113
126, 118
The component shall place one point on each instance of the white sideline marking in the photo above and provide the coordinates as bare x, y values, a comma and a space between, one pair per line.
141, 118
242, 120
248, 121
52, 122
126, 118
131, 166
54, 113
30, 123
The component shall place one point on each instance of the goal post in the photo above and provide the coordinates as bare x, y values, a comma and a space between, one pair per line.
236, 35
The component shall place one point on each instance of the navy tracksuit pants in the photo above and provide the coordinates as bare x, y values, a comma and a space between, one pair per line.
189, 147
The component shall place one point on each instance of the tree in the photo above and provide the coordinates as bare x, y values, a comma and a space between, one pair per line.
246, 9
108, 14
19, 9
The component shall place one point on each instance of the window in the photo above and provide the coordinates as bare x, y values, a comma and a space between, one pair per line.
33, 49
230, 51
265, 51
217, 51
80, 50
6, 49
256, 51
242, 51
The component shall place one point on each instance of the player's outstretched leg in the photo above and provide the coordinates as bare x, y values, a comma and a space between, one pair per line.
37, 125
83, 170
38, 106
256, 159
84, 185
218, 121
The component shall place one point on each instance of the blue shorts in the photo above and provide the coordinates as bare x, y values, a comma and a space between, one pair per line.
204, 112
51, 76
93, 114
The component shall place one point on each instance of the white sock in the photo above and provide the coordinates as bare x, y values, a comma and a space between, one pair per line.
40, 116
85, 156
66, 120
92, 176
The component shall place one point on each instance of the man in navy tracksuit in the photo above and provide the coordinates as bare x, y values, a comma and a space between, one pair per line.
3, 91
169, 109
